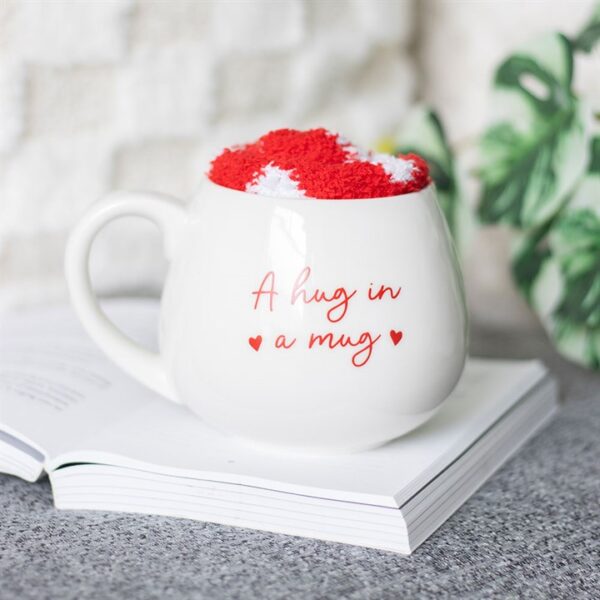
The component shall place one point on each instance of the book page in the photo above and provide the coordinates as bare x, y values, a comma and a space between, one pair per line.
56, 386
166, 438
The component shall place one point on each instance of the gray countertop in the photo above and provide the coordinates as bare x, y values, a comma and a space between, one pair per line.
532, 531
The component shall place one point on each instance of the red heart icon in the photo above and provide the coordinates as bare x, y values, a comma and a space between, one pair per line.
255, 342
396, 336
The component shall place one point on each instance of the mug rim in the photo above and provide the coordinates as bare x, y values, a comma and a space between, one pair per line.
210, 182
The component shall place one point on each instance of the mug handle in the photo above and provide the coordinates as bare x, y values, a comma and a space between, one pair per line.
170, 217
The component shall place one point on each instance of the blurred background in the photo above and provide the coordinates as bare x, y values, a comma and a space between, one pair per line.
140, 94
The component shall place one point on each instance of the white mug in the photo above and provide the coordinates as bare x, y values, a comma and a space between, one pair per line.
321, 326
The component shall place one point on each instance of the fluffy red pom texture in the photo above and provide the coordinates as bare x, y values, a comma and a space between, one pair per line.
323, 166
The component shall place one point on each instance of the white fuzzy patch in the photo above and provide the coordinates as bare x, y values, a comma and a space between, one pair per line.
351, 150
276, 183
355, 153
398, 169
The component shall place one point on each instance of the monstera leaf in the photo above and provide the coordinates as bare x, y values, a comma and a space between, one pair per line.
536, 150
423, 134
589, 36
560, 271
532, 252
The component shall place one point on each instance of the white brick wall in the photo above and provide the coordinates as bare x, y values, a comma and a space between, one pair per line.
167, 91
103, 94
69, 32
259, 26
47, 182
12, 102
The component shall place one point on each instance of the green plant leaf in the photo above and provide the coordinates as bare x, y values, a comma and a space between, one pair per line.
531, 254
535, 151
422, 133
565, 281
589, 36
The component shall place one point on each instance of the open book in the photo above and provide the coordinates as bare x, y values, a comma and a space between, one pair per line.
107, 443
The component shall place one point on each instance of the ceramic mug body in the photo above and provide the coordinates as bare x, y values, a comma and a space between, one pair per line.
316, 325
